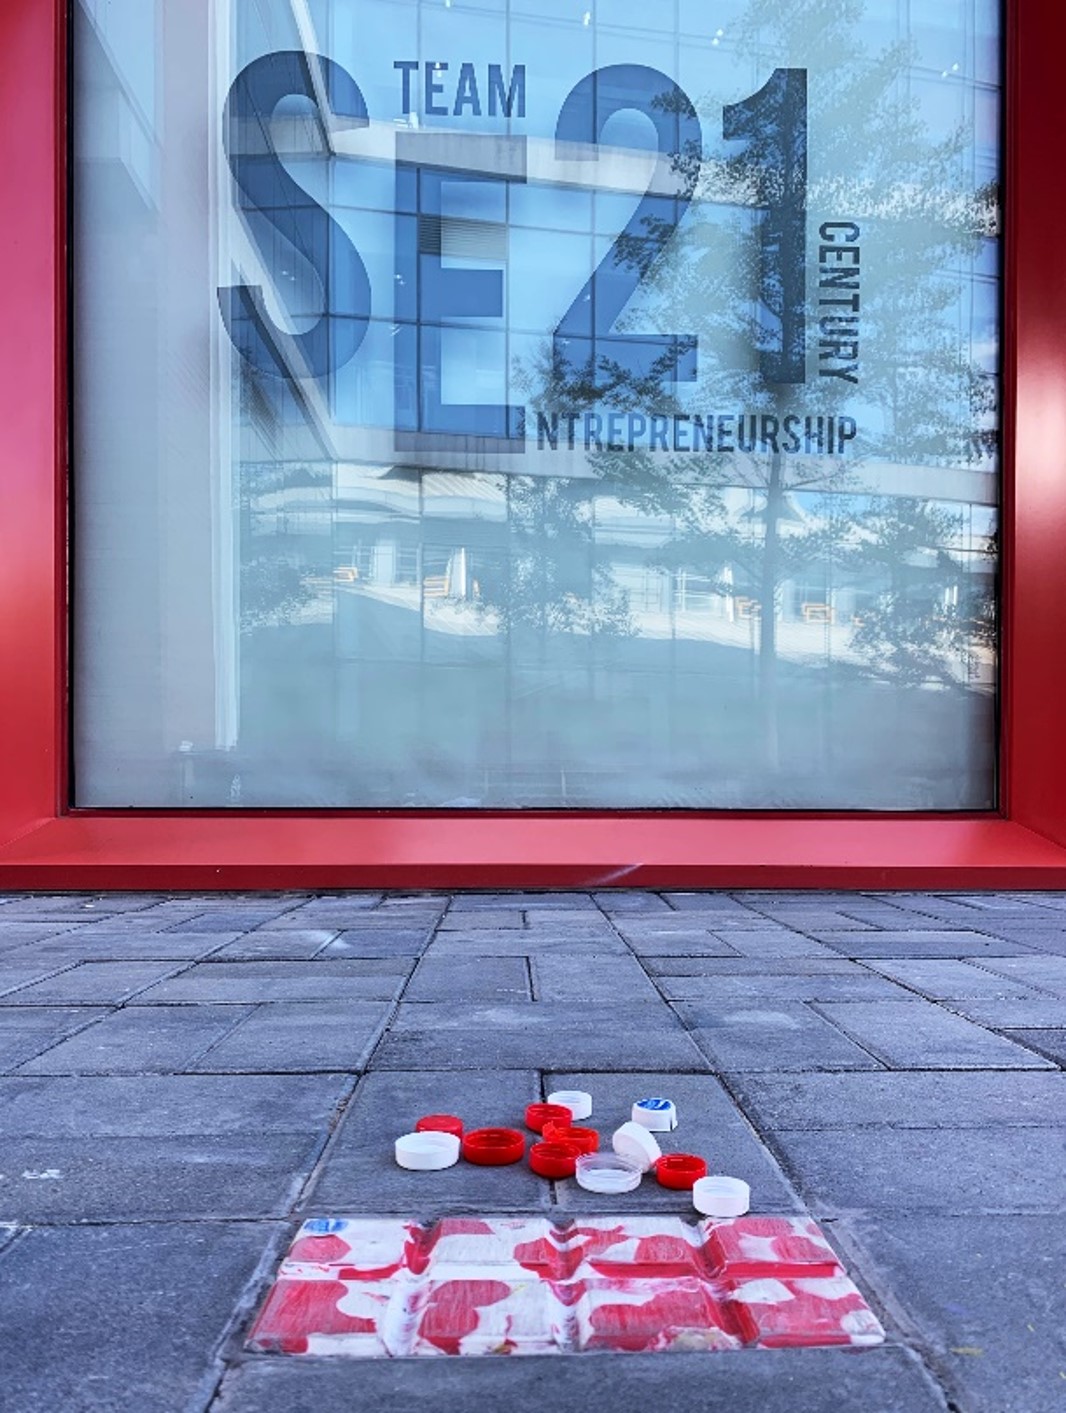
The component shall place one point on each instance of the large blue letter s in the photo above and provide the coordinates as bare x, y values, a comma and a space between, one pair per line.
266, 188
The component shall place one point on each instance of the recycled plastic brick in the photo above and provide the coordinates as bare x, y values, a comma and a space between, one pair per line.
383, 1287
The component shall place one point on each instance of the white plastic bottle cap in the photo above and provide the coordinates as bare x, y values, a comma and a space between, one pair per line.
607, 1172
576, 1100
427, 1152
720, 1196
657, 1115
634, 1142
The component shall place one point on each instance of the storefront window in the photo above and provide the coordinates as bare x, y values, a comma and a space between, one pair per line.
536, 403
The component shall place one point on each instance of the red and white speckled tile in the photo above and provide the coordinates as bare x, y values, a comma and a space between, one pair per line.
366, 1287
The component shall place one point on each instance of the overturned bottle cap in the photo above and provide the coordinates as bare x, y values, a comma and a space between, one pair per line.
721, 1196
657, 1115
607, 1172
554, 1160
636, 1143
576, 1100
585, 1140
680, 1170
440, 1123
493, 1147
427, 1152
537, 1115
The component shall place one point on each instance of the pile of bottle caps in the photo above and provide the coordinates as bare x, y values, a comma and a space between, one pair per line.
568, 1148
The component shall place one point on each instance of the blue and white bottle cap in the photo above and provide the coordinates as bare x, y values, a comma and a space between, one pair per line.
657, 1115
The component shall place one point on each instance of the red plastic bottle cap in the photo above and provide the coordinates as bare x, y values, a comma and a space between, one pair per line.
554, 1160
537, 1115
587, 1139
493, 1147
680, 1170
440, 1123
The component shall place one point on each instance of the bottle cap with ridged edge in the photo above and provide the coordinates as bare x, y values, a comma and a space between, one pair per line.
576, 1100
634, 1142
427, 1152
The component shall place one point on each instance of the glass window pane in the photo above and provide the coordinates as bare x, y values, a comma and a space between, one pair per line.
504, 403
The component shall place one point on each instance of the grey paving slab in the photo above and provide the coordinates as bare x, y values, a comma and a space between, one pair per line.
275, 946
679, 943
945, 1170
16, 931
911, 1099
15, 975
102, 1320
1049, 1043
26, 1030
1042, 1012
534, 902
711, 902
832, 965
774, 946
299, 1036
520, 944
469, 979
360, 1173
243, 983
918, 1035
232, 923
810, 919
709, 1123
538, 1035
777, 1036
49, 1180
476, 919
381, 943
139, 1040
348, 922
942, 979
938, 943
988, 1297
114, 1106
1051, 944
623, 903
769, 1381
593, 978
1044, 973
93, 983
77, 946
744, 991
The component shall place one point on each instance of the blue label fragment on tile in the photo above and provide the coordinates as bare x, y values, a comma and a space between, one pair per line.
322, 1226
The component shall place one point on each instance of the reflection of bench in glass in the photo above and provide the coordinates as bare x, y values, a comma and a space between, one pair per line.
436, 586
748, 608
817, 613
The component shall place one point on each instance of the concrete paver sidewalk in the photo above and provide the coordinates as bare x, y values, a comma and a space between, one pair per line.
185, 1078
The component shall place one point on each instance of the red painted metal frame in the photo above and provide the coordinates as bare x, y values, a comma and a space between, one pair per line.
43, 844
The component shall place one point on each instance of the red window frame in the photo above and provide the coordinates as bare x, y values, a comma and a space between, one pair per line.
44, 843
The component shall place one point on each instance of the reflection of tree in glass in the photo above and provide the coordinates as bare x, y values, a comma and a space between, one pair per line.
922, 400
274, 587
549, 580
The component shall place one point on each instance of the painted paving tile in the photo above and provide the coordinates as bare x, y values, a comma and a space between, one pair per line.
367, 1287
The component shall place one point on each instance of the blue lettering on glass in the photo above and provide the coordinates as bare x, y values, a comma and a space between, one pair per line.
506, 97
267, 190
773, 124
584, 347
431, 296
